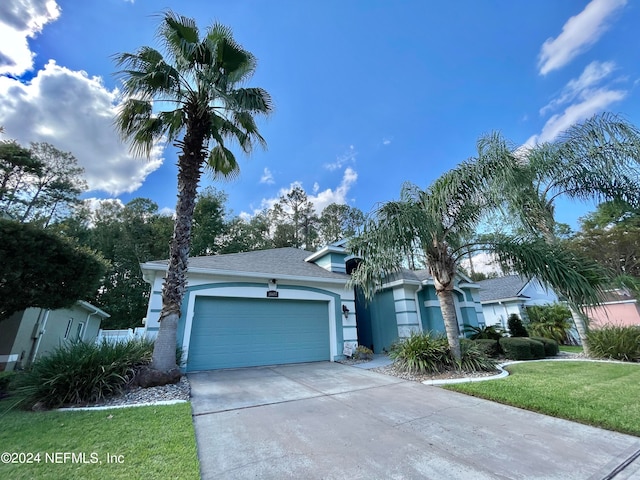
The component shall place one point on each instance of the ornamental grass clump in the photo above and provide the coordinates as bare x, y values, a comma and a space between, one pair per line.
615, 342
429, 353
81, 373
421, 353
474, 358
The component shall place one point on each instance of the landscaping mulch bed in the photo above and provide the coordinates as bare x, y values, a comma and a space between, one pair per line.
142, 396
448, 375
421, 377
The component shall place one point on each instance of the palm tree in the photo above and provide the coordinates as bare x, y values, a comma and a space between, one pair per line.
201, 105
440, 220
595, 160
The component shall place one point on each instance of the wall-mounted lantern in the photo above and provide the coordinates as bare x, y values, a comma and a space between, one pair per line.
345, 311
272, 291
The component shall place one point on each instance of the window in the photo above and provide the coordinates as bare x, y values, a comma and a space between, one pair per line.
68, 330
79, 330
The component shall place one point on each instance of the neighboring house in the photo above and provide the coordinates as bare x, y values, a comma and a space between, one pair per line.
502, 296
33, 332
288, 305
619, 308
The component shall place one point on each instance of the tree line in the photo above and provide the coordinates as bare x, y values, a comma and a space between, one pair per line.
41, 186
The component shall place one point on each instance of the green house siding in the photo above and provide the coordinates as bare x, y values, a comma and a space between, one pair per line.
384, 325
429, 293
470, 316
432, 319
332, 261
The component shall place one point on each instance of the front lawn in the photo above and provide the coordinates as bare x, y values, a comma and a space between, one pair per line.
571, 348
601, 394
155, 442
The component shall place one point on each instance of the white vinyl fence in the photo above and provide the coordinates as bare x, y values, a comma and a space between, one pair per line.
114, 336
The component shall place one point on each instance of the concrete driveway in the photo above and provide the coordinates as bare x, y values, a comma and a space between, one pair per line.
331, 421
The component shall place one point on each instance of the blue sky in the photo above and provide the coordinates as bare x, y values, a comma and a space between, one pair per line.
368, 94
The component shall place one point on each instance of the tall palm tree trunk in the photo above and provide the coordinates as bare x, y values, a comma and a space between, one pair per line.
448, 308
175, 285
581, 326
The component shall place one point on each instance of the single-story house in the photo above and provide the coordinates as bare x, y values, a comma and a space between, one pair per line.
503, 296
287, 305
33, 332
618, 308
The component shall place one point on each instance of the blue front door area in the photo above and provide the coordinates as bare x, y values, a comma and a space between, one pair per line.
237, 332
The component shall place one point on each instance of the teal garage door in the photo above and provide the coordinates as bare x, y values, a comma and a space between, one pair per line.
239, 332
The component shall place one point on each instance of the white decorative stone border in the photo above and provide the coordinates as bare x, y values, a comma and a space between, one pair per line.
109, 407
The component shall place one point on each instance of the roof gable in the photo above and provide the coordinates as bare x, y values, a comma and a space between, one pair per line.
494, 289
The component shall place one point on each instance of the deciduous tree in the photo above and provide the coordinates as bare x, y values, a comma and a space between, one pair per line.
40, 269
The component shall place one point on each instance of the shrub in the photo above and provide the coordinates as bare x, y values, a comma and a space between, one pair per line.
490, 348
551, 348
6, 378
421, 353
550, 321
615, 342
518, 348
483, 333
363, 353
516, 328
537, 349
473, 358
79, 372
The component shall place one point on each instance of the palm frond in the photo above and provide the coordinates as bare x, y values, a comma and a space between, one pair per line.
180, 37
222, 163
236, 63
137, 124
254, 100
174, 122
596, 159
579, 279
145, 73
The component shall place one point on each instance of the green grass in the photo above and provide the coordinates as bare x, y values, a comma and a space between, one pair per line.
601, 394
571, 348
156, 442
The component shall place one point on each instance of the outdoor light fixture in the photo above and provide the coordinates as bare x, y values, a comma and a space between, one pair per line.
272, 286
345, 311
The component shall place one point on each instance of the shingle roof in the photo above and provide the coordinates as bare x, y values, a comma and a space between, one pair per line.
501, 287
276, 261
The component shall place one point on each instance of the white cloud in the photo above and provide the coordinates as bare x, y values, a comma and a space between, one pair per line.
386, 141
486, 263
341, 160
267, 177
320, 199
596, 101
339, 195
94, 203
74, 112
578, 34
581, 87
19, 21
166, 211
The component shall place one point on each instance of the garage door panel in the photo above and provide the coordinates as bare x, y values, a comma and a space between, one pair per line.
233, 332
